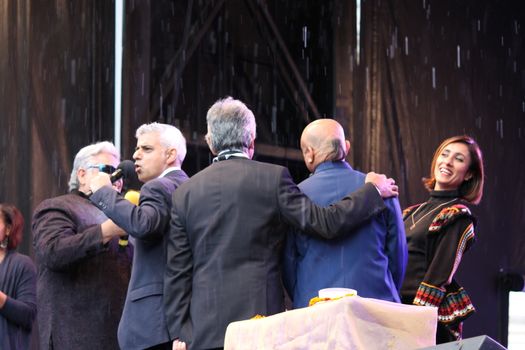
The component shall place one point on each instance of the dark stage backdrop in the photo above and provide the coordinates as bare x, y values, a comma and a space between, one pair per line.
56, 95
433, 69
56, 81
425, 70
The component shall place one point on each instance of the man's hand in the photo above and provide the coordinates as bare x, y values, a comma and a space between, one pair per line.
386, 187
3, 299
110, 230
98, 181
178, 345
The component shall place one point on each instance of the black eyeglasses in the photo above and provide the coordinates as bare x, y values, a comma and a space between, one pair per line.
108, 169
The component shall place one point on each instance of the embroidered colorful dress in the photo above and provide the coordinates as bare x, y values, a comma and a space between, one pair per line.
438, 232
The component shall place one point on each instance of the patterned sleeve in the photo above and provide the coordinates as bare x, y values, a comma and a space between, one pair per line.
451, 234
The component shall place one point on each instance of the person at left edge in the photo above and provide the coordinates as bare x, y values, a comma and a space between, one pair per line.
83, 274
159, 154
17, 283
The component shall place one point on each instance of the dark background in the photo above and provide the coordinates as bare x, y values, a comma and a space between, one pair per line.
425, 70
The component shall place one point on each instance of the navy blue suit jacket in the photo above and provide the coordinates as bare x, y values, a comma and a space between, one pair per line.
143, 324
370, 259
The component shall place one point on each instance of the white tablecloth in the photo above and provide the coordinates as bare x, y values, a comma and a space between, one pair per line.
348, 323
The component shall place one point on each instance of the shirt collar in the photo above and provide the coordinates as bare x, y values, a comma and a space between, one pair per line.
169, 170
79, 193
445, 194
332, 165
228, 153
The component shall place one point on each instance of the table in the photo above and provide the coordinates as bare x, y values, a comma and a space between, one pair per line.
347, 323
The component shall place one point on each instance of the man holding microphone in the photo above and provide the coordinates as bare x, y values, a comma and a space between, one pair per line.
159, 154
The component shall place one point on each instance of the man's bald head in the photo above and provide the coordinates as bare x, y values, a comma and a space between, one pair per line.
323, 140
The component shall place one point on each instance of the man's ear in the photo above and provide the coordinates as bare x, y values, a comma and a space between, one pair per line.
81, 174
309, 155
347, 147
171, 156
251, 148
207, 137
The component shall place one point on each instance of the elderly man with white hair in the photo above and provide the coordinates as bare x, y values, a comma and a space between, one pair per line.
83, 274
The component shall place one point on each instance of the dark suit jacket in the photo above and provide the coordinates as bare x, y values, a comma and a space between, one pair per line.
370, 259
228, 223
81, 282
143, 324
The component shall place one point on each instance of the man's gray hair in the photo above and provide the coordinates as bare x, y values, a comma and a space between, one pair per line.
231, 125
82, 159
169, 136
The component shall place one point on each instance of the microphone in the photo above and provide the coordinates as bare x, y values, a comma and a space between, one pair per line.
130, 188
116, 175
131, 180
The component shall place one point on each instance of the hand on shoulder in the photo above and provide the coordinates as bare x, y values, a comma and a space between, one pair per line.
179, 345
385, 186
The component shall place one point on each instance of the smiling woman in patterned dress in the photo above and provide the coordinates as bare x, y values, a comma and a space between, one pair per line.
440, 230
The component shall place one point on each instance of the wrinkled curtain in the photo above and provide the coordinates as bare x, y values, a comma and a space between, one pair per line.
429, 70
425, 70
56, 81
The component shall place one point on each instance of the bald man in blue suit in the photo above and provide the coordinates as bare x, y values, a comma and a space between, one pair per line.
372, 258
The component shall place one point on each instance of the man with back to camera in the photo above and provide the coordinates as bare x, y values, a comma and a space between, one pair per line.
159, 154
83, 274
372, 258
228, 224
